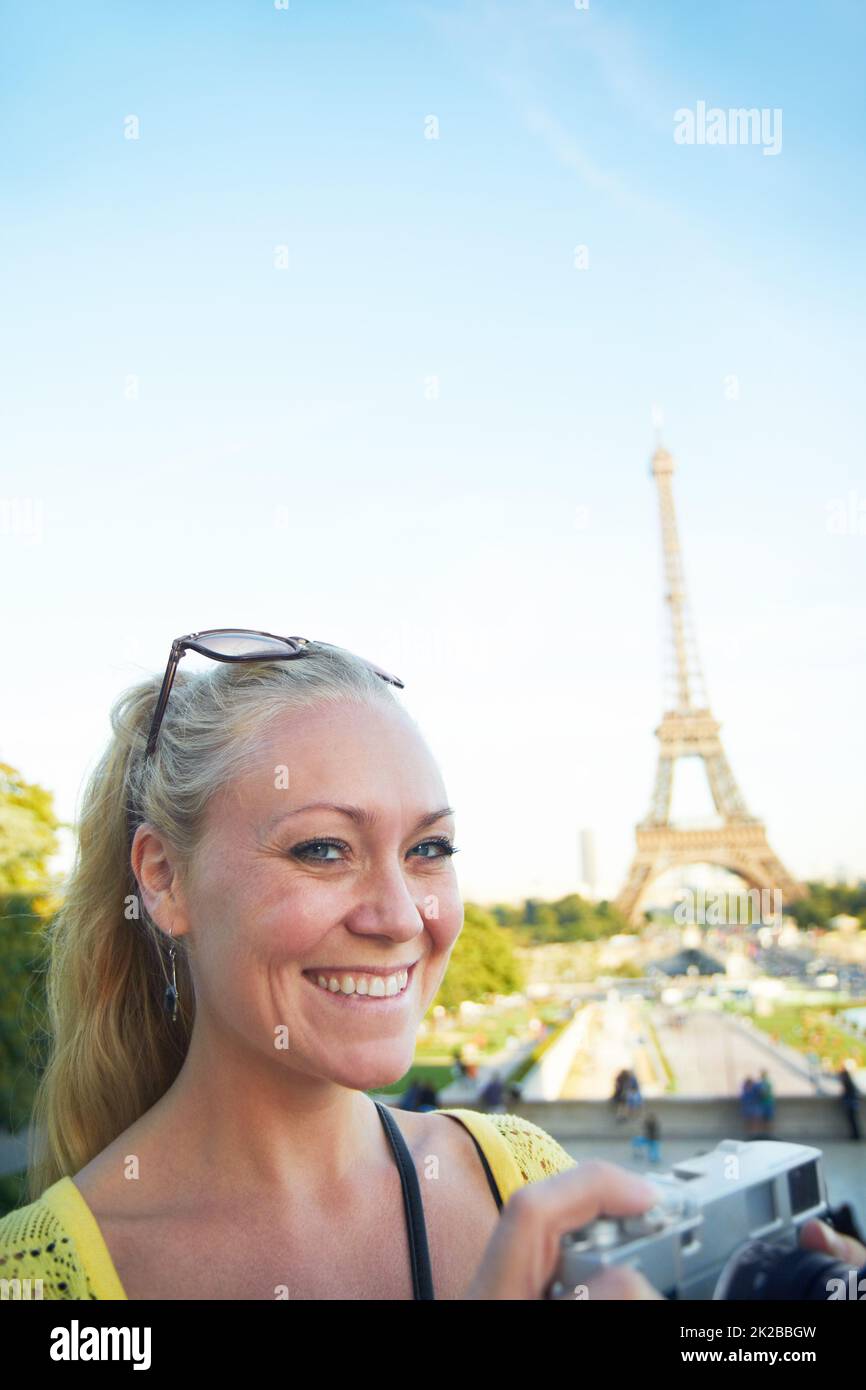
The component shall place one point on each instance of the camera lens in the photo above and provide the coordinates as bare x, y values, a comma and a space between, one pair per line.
768, 1271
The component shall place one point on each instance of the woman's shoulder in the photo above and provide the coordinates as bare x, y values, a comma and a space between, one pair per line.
537, 1153
39, 1255
520, 1151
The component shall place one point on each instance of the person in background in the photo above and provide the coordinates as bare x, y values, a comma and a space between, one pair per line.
647, 1144
470, 1067
427, 1098
766, 1104
633, 1097
618, 1099
749, 1108
419, 1096
492, 1094
850, 1099
409, 1098
652, 1130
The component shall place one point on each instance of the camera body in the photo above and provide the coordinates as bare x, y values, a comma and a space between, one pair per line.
711, 1209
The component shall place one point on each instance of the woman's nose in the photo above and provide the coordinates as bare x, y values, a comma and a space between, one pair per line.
388, 906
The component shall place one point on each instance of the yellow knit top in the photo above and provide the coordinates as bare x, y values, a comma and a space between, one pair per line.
57, 1238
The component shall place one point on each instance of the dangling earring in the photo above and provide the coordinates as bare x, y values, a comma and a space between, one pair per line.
171, 990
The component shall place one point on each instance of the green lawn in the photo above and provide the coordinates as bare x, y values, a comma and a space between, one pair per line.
439, 1076
811, 1029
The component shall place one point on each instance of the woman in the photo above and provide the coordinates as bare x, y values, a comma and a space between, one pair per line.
261, 911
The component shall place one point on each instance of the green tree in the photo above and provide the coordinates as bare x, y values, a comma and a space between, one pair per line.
572, 909
22, 1005
28, 839
546, 925
566, 919
827, 900
482, 962
28, 833
507, 915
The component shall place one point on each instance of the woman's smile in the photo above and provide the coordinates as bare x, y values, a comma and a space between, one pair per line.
371, 988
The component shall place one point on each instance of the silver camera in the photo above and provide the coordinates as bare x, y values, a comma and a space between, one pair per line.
723, 1225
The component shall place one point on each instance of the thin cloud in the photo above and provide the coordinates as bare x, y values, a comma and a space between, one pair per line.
501, 41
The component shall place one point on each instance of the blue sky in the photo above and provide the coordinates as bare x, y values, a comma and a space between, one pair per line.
204, 438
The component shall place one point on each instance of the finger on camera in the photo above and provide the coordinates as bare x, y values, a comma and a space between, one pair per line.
620, 1282
817, 1235
570, 1199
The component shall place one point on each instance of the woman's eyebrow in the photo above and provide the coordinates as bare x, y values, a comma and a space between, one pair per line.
356, 813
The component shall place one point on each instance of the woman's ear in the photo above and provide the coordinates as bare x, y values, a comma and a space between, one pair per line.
156, 871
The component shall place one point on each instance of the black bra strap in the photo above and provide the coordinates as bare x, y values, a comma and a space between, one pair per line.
419, 1254
491, 1181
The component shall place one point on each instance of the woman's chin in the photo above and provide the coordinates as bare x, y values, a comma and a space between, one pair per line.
375, 1072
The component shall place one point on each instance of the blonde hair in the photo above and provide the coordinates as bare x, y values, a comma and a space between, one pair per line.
113, 1050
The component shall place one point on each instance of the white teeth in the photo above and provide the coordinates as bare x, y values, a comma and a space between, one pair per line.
376, 986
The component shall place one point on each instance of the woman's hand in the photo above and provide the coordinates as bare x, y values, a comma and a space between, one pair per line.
523, 1253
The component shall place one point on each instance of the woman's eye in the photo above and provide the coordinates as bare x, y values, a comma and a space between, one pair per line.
445, 846
307, 851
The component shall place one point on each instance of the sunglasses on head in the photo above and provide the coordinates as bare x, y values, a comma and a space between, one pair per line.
235, 644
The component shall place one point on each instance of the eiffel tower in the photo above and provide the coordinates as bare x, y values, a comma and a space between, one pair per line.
688, 730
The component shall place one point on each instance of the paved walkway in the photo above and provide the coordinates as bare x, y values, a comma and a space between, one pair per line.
709, 1053
713, 1054
616, 1037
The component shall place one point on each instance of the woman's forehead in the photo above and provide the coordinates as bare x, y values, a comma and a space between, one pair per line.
345, 757
347, 736
345, 720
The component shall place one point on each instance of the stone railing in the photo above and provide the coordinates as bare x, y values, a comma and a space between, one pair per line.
800, 1119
